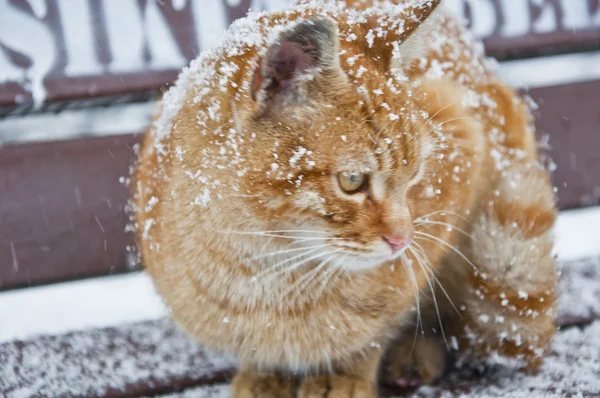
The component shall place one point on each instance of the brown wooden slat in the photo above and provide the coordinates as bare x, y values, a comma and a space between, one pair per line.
61, 210
568, 27
55, 237
570, 115
155, 357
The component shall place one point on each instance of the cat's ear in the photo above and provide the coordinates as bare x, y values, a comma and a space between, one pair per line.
302, 54
407, 36
415, 45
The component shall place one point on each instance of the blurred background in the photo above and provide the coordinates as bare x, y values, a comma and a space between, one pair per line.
78, 83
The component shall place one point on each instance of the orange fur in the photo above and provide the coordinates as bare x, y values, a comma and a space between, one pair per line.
241, 153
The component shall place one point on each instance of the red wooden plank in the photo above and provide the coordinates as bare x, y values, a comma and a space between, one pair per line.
78, 61
61, 210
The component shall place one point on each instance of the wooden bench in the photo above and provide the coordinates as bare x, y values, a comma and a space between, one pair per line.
77, 85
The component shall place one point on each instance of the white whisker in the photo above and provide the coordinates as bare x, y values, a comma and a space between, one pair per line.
432, 289
451, 226
285, 251
307, 277
448, 245
426, 263
327, 278
443, 213
441, 110
285, 261
407, 265
274, 235
295, 230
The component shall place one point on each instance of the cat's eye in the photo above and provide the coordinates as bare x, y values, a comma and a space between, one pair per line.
351, 182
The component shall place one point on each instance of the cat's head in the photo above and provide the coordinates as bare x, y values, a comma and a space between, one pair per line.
340, 142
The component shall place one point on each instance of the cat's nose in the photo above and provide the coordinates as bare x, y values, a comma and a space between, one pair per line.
397, 242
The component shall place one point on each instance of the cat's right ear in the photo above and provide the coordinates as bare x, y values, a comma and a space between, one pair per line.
406, 34
302, 55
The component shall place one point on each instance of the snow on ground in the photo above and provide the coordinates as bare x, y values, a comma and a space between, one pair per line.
572, 369
579, 291
95, 362
145, 356
218, 391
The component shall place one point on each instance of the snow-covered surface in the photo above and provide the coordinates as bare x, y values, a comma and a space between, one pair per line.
218, 391
578, 234
579, 291
91, 303
90, 364
68, 124
155, 354
572, 368
552, 70
115, 300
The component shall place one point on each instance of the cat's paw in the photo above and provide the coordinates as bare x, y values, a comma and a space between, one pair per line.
255, 385
336, 386
410, 363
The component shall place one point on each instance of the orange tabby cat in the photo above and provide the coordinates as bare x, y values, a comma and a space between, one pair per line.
339, 182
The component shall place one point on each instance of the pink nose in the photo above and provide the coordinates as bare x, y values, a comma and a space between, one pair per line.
398, 242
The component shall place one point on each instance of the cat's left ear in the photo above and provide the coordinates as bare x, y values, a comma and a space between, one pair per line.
301, 55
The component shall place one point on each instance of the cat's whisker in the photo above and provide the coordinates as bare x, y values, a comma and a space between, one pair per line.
372, 139
276, 235
316, 280
316, 238
443, 213
285, 251
309, 276
441, 110
258, 234
295, 230
301, 263
285, 261
450, 226
448, 121
446, 244
427, 265
334, 273
303, 283
432, 289
407, 265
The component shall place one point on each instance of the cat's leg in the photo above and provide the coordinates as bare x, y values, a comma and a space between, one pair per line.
354, 378
510, 296
250, 383
413, 361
